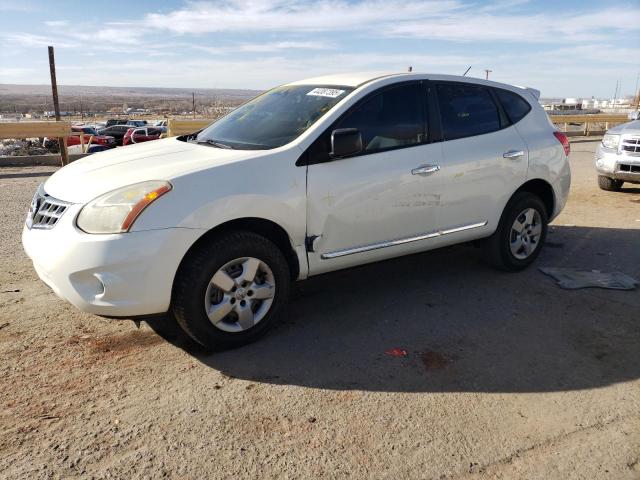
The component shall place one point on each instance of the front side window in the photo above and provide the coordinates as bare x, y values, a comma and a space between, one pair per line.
466, 110
392, 118
273, 119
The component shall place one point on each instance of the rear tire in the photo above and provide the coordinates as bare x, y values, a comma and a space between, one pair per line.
229, 292
517, 241
609, 184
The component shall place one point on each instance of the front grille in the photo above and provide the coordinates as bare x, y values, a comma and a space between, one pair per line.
630, 145
629, 168
45, 211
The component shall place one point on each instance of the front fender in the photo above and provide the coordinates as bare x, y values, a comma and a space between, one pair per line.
271, 188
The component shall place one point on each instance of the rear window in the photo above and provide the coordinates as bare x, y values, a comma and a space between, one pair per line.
514, 105
466, 110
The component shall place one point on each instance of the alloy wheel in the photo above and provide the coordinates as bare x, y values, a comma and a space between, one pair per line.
240, 294
525, 233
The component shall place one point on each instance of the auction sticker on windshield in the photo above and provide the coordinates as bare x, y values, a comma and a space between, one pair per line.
326, 92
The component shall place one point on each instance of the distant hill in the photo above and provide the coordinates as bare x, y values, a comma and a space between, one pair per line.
77, 90
74, 98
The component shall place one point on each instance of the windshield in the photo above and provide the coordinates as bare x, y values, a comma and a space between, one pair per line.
273, 119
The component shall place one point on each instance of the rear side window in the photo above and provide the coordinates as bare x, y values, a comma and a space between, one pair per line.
513, 104
466, 110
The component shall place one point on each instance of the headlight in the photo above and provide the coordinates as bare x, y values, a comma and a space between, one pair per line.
611, 141
115, 212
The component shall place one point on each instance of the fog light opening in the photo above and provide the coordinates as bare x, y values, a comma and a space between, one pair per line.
100, 290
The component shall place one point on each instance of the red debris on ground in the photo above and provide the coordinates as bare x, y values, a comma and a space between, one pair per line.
396, 352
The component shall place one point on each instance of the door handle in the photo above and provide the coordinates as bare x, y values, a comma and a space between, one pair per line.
513, 154
425, 170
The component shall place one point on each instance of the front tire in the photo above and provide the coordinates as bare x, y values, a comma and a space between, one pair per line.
229, 292
517, 241
609, 184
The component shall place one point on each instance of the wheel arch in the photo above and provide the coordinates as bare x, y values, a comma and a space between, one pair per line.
542, 189
261, 226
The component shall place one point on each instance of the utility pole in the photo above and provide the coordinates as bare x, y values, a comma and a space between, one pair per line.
487, 72
64, 155
637, 92
193, 103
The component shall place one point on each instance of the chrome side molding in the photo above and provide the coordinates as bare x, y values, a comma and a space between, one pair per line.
400, 241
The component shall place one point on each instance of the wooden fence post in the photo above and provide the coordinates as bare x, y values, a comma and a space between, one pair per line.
64, 154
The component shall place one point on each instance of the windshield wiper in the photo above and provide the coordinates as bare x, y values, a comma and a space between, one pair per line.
213, 143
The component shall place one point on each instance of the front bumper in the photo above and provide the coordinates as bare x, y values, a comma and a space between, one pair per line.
619, 166
116, 275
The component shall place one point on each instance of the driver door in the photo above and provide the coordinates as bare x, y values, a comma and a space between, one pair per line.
382, 202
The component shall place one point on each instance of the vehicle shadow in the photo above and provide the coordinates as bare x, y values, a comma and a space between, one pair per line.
464, 327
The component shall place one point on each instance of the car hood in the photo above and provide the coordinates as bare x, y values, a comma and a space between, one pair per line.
94, 175
629, 127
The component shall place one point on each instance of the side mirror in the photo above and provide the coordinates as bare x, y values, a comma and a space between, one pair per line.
345, 142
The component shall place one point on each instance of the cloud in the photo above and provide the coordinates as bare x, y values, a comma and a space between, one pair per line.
452, 20
267, 47
260, 43
32, 40
14, 6
110, 35
292, 16
556, 75
56, 23
528, 28
14, 72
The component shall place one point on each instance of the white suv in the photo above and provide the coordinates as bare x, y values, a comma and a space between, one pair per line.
618, 156
307, 178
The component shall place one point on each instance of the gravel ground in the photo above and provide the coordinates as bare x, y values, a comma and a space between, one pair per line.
506, 375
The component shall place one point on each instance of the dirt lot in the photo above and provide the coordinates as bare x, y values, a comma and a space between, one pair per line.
506, 375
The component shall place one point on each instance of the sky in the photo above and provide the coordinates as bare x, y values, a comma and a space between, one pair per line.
568, 48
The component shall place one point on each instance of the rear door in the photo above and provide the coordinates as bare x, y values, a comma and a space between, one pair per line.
139, 135
485, 160
383, 201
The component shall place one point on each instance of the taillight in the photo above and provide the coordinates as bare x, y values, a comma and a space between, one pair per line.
564, 140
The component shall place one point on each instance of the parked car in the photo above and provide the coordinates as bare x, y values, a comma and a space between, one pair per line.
90, 132
618, 157
137, 123
78, 149
161, 123
308, 178
116, 121
98, 142
116, 131
139, 135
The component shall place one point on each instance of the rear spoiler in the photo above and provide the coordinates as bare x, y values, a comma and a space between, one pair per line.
532, 91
